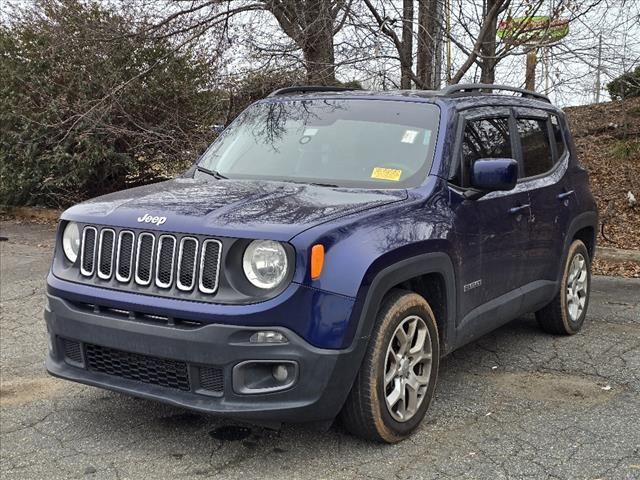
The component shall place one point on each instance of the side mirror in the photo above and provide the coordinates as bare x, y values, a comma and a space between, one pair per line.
490, 174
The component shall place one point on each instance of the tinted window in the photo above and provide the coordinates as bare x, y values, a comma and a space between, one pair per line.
487, 138
557, 135
536, 150
368, 143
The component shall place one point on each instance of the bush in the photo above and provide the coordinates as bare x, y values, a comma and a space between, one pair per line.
89, 106
625, 86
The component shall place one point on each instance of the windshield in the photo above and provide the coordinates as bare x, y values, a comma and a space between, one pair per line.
350, 143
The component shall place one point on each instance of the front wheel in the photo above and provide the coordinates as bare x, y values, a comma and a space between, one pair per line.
396, 381
566, 313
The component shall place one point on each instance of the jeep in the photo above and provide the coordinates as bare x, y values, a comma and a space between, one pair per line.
324, 253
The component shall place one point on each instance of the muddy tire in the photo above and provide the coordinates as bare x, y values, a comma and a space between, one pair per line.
398, 375
566, 313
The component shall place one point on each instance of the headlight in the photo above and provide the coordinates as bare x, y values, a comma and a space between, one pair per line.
265, 263
71, 241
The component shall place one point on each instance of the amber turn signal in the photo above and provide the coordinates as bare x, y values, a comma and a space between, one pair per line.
317, 260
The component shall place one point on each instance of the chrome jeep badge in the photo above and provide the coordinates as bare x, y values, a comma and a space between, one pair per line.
146, 218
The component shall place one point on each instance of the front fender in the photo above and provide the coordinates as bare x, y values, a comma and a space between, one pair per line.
368, 255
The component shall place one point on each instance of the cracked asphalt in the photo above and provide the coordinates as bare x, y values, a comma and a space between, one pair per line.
515, 404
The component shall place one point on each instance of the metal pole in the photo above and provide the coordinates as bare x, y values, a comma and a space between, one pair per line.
448, 7
599, 68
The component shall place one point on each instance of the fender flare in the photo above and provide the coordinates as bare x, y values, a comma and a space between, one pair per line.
368, 303
585, 219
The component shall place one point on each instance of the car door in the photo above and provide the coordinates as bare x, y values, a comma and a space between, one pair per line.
544, 162
492, 232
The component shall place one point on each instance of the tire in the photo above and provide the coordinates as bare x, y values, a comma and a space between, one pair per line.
366, 413
566, 313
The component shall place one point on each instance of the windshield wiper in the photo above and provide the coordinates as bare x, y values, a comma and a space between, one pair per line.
213, 173
317, 184
322, 184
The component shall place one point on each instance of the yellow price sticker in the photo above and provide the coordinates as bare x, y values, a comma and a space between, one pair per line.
380, 173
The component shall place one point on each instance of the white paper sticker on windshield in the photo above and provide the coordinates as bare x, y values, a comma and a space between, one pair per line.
310, 132
427, 137
409, 136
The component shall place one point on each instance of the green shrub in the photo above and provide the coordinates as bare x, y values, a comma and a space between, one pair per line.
88, 106
626, 85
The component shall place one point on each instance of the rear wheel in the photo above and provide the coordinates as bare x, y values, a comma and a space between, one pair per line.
396, 381
566, 313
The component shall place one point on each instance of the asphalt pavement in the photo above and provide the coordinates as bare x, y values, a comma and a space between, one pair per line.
518, 403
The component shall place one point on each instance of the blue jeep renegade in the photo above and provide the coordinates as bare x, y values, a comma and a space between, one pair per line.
324, 253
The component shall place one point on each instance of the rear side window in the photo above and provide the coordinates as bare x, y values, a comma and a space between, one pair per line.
486, 138
536, 149
557, 136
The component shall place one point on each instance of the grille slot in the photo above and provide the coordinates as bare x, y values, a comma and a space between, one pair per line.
209, 266
72, 350
106, 248
211, 379
88, 256
124, 257
141, 368
187, 264
165, 261
144, 258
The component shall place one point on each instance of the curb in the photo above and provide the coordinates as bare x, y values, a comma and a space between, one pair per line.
618, 255
49, 214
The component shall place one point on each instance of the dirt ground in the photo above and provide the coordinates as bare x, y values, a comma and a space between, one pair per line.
607, 137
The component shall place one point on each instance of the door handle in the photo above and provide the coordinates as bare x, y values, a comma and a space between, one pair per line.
566, 195
519, 208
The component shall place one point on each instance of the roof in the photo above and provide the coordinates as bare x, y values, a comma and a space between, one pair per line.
463, 95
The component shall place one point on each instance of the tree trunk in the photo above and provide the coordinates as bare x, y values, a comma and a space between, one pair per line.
310, 24
530, 76
319, 60
317, 47
406, 53
488, 47
429, 35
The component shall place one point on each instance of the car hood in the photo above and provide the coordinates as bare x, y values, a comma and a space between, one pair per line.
242, 208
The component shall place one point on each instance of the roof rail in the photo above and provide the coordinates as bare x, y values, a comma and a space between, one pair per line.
307, 89
477, 88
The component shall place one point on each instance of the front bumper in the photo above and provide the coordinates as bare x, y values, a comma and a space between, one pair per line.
324, 376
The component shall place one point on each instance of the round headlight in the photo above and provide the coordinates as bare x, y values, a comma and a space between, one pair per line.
265, 263
71, 241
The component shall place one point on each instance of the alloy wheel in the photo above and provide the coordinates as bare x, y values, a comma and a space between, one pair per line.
407, 368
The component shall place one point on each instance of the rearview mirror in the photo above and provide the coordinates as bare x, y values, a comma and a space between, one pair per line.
490, 174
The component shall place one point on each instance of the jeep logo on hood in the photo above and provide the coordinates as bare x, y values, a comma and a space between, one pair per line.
146, 218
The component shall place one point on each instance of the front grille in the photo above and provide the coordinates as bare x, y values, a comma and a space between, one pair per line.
148, 259
142, 368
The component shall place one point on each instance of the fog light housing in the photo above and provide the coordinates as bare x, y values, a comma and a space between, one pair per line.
264, 376
268, 336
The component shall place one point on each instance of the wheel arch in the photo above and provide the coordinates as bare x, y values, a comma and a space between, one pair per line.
583, 227
431, 275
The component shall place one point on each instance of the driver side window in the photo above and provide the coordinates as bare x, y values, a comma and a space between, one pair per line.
485, 138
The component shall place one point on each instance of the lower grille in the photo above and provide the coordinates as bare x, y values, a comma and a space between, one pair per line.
211, 379
72, 350
133, 366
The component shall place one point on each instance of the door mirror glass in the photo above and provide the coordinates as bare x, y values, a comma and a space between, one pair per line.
490, 174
